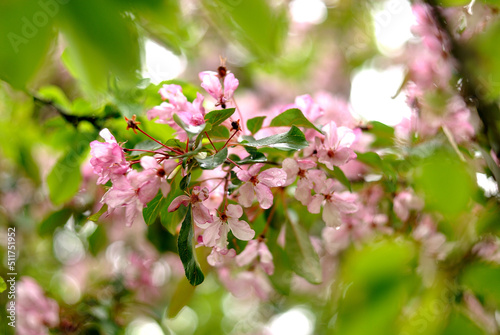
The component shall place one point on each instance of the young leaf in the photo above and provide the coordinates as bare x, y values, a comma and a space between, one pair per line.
218, 116
213, 161
153, 208
304, 260
294, 139
184, 184
255, 124
96, 216
219, 132
294, 117
185, 245
65, 178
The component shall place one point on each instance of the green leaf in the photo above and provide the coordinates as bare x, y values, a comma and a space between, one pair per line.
3, 285
461, 324
257, 25
340, 176
185, 181
211, 162
304, 260
294, 139
294, 117
257, 157
170, 220
255, 124
27, 35
182, 295
483, 280
218, 116
384, 135
96, 216
152, 210
65, 178
102, 42
374, 160
219, 132
445, 183
98, 241
282, 276
185, 245
55, 95
54, 220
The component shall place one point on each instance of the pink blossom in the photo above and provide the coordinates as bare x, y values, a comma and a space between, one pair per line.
259, 184
211, 83
335, 149
311, 110
108, 157
334, 202
216, 232
192, 114
307, 177
256, 249
457, 120
36, 312
132, 191
243, 284
219, 257
406, 201
173, 93
335, 109
433, 242
158, 172
201, 214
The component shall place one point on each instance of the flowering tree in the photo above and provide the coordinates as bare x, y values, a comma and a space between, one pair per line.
148, 204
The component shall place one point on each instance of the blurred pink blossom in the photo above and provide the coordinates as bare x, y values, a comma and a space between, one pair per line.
36, 312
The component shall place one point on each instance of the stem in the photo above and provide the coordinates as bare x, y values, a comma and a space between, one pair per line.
231, 161
229, 139
449, 135
206, 134
215, 187
163, 145
268, 221
153, 152
240, 115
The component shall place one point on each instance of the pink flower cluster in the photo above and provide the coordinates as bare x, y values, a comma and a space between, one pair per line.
215, 218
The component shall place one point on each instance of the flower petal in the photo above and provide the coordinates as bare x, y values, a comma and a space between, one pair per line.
234, 211
273, 177
241, 229
246, 195
180, 200
264, 195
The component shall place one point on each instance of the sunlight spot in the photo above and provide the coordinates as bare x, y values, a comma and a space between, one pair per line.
392, 20
488, 184
144, 326
297, 321
308, 11
161, 64
371, 95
